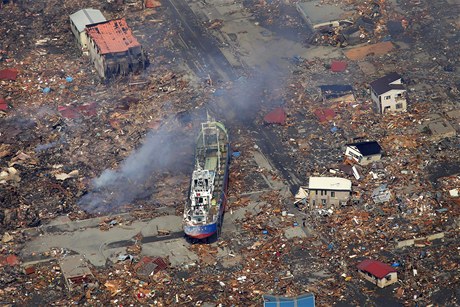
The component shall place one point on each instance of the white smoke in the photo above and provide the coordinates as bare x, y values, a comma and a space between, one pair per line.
170, 148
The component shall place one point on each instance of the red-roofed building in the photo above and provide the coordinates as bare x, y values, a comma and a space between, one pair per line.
114, 49
378, 273
277, 116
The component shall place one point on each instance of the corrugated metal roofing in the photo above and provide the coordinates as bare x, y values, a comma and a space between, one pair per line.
305, 300
329, 183
324, 115
8, 74
85, 17
376, 268
112, 36
277, 116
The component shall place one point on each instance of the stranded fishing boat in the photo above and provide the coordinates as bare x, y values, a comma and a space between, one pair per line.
204, 211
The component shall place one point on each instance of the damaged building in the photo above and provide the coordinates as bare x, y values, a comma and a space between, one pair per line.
329, 191
364, 152
114, 49
78, 22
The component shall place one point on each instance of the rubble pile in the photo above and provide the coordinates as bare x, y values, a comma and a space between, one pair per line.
64, 133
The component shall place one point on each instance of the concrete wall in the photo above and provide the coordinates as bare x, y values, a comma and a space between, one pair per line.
376, 100
411, 242
388, 104
81, 37
97, 59
327, 200
382, 282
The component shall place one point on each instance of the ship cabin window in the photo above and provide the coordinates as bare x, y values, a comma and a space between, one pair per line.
199, 218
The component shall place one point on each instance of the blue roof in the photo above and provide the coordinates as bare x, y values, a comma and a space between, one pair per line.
304, 300
367, 148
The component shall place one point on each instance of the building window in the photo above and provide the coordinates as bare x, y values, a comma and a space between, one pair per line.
321, 192
323, 202
387, 97
399, 106
332, 194
316, 192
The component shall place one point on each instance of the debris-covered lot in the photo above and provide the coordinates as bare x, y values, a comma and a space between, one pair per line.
94, 173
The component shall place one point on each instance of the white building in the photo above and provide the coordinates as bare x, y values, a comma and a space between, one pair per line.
326, 192
389, 94
78, 23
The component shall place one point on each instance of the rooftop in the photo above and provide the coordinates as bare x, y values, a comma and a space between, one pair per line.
367, 148
112, 36
85, 17
329, 183
376, 268
383, 85
305, 300
317, 12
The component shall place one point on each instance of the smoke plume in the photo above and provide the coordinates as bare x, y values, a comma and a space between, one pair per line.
170, 148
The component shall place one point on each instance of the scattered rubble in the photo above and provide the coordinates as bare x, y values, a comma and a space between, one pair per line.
62, 127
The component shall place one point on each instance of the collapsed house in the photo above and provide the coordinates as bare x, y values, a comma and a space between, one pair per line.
75, 271
364, 152
114, 49
78, 22
437, 128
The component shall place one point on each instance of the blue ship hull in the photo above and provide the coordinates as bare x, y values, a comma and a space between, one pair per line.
205, 231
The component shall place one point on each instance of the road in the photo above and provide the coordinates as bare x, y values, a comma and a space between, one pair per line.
199, 49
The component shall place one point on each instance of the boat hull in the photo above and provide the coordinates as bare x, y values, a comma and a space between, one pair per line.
201, 232
207, 230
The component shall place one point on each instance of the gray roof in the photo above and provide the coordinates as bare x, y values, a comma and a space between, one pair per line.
85, 17
382, 85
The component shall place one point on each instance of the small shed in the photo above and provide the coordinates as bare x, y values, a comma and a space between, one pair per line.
78, 22
379, 273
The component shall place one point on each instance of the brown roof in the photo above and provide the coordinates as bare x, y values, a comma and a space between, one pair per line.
112, 36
